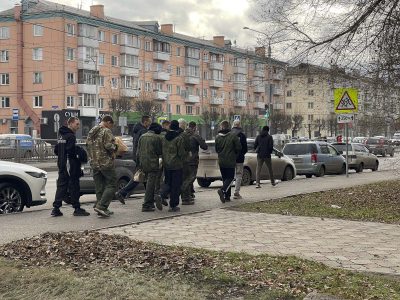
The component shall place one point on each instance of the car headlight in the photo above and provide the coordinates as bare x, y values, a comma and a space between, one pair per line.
37, 174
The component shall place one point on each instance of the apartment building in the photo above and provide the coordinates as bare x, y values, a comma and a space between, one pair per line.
309, 93
57, 61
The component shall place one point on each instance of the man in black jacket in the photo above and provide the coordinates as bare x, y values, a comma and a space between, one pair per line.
69, 169
264, 146
236, 129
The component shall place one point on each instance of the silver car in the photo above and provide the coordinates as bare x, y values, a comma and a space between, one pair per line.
315, 158
359, 156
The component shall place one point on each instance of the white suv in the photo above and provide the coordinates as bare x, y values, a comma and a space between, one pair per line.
21, 185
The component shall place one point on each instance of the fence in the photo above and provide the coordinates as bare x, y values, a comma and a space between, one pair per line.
27, 150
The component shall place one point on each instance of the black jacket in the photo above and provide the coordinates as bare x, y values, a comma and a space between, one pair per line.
243, 141
264, 145
138, 131
66, 151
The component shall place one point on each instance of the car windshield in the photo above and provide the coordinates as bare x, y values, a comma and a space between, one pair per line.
373, 141
299, 149
342, 147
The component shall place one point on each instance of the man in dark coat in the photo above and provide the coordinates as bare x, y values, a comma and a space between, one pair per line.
69, 169
236, 129
264, 145
227, 145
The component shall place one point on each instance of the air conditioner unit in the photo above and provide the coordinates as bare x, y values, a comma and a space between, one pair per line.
44, 121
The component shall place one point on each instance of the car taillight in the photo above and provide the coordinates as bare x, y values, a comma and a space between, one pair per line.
314, 157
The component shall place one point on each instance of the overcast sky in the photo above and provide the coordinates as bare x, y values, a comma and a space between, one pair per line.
198, 18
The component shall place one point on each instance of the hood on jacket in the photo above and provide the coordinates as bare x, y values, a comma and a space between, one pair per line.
172, 134
237, 130
64, 130
138, 127
264, 133
223, 132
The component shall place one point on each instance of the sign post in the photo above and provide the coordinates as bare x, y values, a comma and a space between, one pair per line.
15, 114
346, 104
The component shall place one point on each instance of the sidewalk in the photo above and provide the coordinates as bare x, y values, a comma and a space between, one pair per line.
357, 246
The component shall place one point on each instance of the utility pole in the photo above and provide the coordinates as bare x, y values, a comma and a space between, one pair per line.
96, 104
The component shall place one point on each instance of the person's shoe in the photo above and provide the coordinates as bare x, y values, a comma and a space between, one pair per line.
237, 196
188, 202
258, 186
120, 197
227, 199
164, 202
56, 212
174, 209
80, 212
274, 183
221, 195
158, 202
148, 209
193, 196
108, 211
102, 212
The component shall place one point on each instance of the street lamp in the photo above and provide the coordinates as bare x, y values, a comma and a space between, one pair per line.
269, 62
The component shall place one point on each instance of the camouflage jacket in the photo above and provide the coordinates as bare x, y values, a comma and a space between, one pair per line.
101, 148
195, 141
173, 150
149, 151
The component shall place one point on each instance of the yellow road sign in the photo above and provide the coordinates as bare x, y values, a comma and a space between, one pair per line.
346, 100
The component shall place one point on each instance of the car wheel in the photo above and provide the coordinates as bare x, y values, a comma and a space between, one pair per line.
343, 170
246, 177
288, 174
321, 172
384, 153
375, 168
360, 168
308, 175
203, 182
11, 198
122, 182
392, 154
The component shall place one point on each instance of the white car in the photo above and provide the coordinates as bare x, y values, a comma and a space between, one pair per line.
21, 185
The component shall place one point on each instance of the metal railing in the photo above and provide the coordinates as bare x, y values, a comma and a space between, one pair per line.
27, 150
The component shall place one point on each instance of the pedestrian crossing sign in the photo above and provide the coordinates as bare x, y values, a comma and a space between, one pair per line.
236, 118
346, 100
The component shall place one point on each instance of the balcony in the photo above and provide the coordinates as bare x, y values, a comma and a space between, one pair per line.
192, 62
239, 103
161, 96
278, 76
259, 88
216, 83
87, 111
278, 106
130, 93
165, 56
278, 92
161, 75
240, 85
87, 42
259, 105
192, 99
259, 73
240, 69
217, 101
87, 65
129, 50
127, 71
215, 65
192, 79
86, 88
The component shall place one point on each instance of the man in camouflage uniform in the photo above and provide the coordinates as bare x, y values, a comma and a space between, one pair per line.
192, 162
101, 149
148, 154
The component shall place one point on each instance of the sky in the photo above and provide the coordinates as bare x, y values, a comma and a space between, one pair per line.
198, 18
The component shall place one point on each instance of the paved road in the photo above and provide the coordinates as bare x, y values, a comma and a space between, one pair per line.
26, 224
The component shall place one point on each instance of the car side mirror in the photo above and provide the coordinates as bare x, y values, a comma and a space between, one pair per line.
279, 154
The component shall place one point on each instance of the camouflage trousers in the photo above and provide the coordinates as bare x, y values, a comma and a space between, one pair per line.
152, 187
189, 176
105, 182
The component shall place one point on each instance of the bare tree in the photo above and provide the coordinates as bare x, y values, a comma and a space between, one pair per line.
280, 122
332, 125
146, 105
210, 118
320, 124
297, 123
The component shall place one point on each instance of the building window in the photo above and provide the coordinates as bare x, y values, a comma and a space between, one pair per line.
169, 88
310, 92
87, 100
168, 108
4, 33
70, 53
37, 53
310, 80
102, 59
178, 109
198, 111
205, 93
289, 80
101, 81
131, 61
4, 102
88, 31
37, 30
310, 117
4, 79
101, 36
70, 101
70, 78
38, 101
161, 47
178, 90
205, 75
101, 103
189, 110
37, 77
87, 77
147, 86
130, 82
114, 39
205, 57
178, 51
114, 61
288, 105
4, 56
147, 46
70, 29
193, 53
289, 93
311, 105
114, 83
178, 71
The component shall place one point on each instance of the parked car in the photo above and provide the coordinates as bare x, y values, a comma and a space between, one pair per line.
379, 146
315, 158
360, 139
21, 185
16, 146
359, 156
124, 168
208, 171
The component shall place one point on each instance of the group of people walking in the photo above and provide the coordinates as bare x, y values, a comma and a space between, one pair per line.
167, 155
